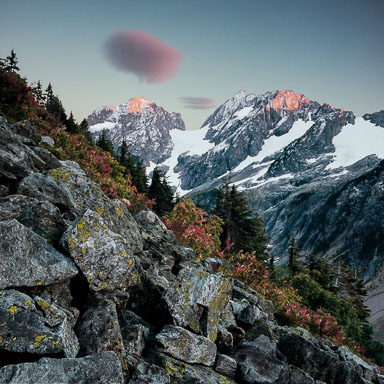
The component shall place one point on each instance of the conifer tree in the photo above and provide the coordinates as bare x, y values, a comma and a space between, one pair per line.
140, 178
293, 253
105, 143
38, 92
70, 124
162, 192
242, 228
10, 62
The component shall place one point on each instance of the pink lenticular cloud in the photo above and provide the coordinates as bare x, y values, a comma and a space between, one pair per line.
151, 59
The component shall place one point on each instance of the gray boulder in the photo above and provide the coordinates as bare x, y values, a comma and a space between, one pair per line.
41, 216
45, 187
99, 368
197, 298
143, 372
98, 330
101, 254
186, 346
260, 362
183, 373
88, 195
28, 260
317, 359
134, 331
298, 376
24, 328
226, 365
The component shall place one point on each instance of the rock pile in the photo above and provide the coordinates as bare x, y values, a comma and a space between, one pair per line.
91, 294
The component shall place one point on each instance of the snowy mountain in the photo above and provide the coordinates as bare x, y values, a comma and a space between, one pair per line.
145, 127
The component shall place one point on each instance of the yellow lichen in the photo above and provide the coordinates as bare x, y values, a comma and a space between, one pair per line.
39, 283
43, 304
100, 211
124, 254
38, 340
3, 324
83, 251
28, 304
12, 309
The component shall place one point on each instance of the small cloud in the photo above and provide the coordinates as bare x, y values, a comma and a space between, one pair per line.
138, 52
192, 102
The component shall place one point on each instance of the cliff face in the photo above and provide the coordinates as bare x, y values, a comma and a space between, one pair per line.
90, 293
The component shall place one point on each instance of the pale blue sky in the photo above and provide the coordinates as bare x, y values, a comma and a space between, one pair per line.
332, 51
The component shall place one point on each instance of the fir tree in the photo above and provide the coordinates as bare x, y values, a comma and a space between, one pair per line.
293, 253
105, 143
71, 125
83, 129
38, 92
139, 178
49, 93
242, 228
161, 192
10, 62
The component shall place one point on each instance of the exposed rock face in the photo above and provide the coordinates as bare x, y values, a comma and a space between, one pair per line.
28, 260
197, 298
261, 362
186, 346
118, 300
99, 368
142, 124
100, 253
24, 329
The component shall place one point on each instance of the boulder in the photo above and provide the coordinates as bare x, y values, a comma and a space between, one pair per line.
143, 372
101, 254
98, 330
134, 331
88, 195
186, 346
41, 216
50, 160
260, 362
45, 187
183, 373
197, 298
24, 328
28, 260
16, 159
99, 368
298, 376
317, 359
226, 365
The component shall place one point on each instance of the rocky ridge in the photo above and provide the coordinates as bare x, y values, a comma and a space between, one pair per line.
142, 124
90, 293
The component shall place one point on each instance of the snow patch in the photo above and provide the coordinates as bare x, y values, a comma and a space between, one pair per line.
101, 126
357, 141
243, 113
277, 143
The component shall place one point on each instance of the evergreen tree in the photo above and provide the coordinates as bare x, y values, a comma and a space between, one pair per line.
105, 143
10, 62
293, 263
140, 178
242, 229
38, 92
49, 94
83, 129
321, 270
161, 192
71, 125
272, 268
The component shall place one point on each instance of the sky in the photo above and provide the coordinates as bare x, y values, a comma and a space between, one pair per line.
191, 56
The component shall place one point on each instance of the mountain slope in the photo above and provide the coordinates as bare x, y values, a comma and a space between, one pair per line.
145, 127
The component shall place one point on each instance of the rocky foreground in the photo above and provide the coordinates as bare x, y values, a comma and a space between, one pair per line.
91, 294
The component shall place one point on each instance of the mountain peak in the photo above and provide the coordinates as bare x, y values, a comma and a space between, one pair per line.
288, 99
136, 104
